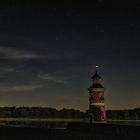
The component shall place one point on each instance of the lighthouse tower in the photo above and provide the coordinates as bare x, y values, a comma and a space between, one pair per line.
96, 100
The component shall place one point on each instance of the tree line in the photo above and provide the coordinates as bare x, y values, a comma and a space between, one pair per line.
40, 112
48, 112
129, 114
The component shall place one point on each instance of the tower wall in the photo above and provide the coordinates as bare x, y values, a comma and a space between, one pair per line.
96, 101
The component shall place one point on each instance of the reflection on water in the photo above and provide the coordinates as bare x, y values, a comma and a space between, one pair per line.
48, 125
125, 122
39, 123
57, 124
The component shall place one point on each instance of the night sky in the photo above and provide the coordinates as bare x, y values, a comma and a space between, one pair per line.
48, 53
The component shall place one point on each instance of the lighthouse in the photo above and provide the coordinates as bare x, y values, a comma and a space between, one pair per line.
97, 111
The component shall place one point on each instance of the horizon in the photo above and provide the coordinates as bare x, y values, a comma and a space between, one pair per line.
66, 108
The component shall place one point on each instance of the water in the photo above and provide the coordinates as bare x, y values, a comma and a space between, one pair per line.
125, 122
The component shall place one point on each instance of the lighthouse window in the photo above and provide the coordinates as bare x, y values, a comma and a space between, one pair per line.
101, 97
91, 97
102, 118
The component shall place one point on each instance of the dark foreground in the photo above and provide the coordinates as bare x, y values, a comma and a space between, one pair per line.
75, 131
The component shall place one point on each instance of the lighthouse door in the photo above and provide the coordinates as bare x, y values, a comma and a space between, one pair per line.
91, 118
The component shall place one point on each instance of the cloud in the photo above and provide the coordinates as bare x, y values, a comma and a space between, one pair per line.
51, 78
26, 87
5, 71
10, 69
10, 88
14, 53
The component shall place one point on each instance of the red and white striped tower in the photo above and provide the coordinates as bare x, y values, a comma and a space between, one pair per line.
97, 111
